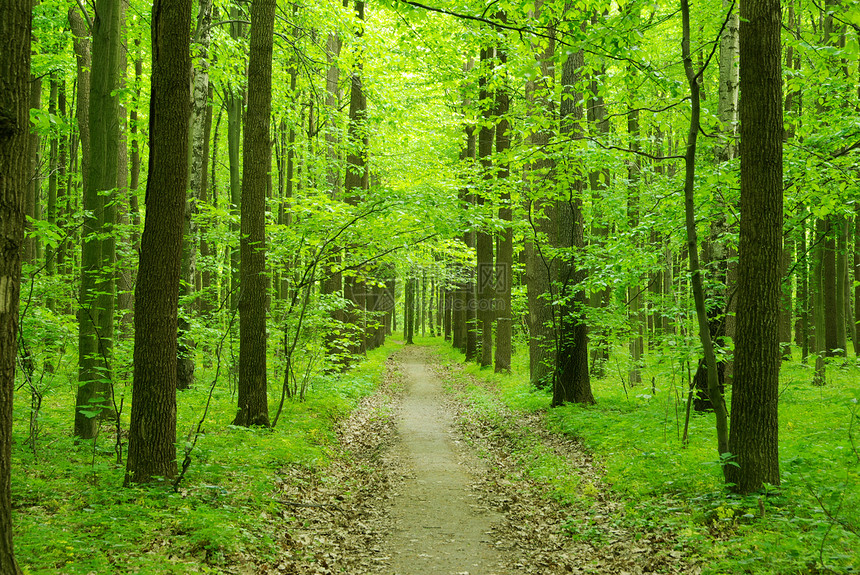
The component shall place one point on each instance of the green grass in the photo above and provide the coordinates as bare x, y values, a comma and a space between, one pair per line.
803, 527
71, 514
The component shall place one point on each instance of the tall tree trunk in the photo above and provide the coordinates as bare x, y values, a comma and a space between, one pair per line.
14, 142
356, 181
54, 176
234, 105
253, 408
197, 148
538, 272
470, 317
95, 315
831, 312
841, 280
571, 381
208, 277
125, 263
152, 431
818, 296
505, 255
332, 282
484, 238
62, 212
753, 442
409, 311
34, 187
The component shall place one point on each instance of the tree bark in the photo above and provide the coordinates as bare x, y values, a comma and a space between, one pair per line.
753, 442
571, 380
505, 255
356, 182
817, 278
152, 432
599, 183
234, 105
14, 142
538, 273
253, 408
97, 292
484, 239
31, 243
196, 190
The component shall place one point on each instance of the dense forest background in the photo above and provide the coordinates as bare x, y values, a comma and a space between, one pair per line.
244, 199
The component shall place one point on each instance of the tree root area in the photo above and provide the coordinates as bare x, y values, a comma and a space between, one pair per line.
407, 493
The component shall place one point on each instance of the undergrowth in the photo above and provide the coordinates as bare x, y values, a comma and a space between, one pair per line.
809, 524
71, 514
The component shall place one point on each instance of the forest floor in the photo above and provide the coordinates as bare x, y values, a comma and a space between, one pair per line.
425, 482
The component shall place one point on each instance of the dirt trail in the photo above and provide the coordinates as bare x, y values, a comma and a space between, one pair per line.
409, 496
439, 526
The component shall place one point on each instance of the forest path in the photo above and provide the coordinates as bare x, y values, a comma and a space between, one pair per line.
439, 524
407, 494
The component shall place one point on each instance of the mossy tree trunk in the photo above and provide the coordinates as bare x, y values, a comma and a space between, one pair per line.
97, 291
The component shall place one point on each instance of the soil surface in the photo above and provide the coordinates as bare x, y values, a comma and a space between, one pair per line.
407, 493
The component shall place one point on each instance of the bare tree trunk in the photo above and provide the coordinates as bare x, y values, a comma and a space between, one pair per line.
234, 105
253, 406
505, 255
152, 432
571, 382
197, 189
538, 273
14, 159
484, 238
754, 421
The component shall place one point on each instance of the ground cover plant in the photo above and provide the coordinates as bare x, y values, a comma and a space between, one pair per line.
72, 516
810, 524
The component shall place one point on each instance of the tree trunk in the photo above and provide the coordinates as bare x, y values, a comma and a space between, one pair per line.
14, 141
470, 319
54, 176
356, 181
253, 408
505, 256
819, 347
841, 280
196, 190
152, 432
31, 243
234, 105
538, 273
484, 238
753, 442
332, 282
571, 381
408, 311
831, 312
95, 315
208, 276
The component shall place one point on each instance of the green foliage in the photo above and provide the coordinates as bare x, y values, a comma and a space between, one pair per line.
72, 516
